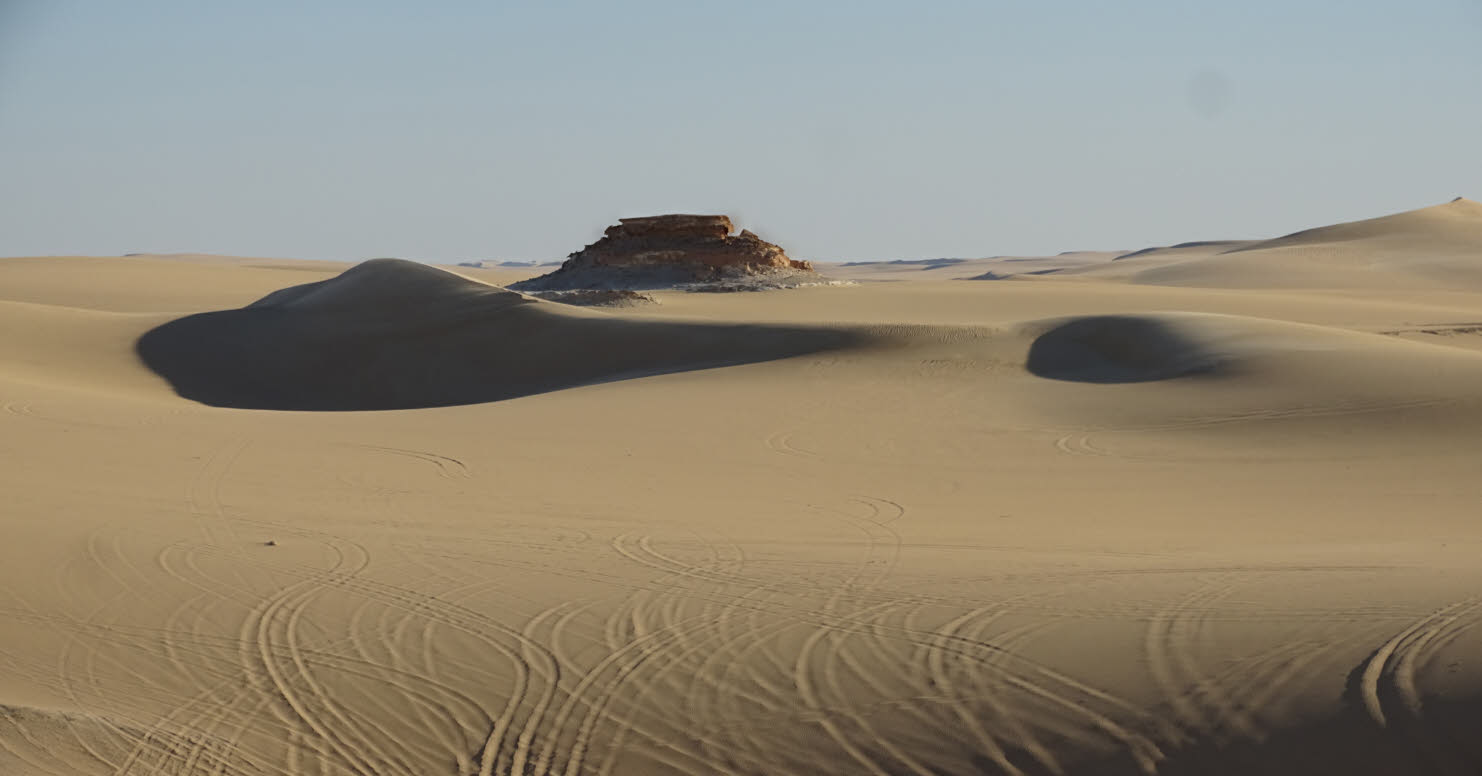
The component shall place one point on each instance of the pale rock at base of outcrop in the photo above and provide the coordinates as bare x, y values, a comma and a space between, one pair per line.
597, 297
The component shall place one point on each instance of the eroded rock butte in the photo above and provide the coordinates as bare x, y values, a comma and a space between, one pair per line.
673, 250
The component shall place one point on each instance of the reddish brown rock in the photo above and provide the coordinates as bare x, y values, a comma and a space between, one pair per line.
658, 251
713, 227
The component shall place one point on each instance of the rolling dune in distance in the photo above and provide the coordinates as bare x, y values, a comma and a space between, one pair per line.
1210, 509
1432, 248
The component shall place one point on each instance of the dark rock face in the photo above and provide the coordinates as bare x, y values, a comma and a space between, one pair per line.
669, 250
672, 226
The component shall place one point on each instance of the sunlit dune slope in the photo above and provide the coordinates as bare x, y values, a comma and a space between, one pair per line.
150, 283
1437, 247
65, 347
1456, 225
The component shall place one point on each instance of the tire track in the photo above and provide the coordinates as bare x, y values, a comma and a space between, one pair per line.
447, 467
1079, 445
832, 620
451, 615
671, 633
259, 630
693, 684
781, 442
871, 571
293, 604
870, 621
934, 657
1197, 702
1387, 688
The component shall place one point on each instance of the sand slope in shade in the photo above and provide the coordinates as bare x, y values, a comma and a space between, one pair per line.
392, 334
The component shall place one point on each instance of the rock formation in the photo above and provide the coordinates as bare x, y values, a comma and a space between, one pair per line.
674, 250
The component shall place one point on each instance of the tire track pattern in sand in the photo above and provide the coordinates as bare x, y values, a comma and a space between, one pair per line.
1388, 689
704, 657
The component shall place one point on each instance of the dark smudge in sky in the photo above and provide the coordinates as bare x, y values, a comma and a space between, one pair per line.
1209, 92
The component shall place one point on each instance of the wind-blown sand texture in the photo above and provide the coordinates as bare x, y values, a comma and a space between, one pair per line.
1197, 511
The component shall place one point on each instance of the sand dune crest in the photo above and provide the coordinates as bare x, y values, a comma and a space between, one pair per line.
1437, 247
375, 285
1458, 221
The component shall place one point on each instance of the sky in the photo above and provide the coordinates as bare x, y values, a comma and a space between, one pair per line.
453, 131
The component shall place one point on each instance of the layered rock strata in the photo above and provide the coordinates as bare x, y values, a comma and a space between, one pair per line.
674, 250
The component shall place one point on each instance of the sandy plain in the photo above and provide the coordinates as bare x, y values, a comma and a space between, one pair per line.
1214, 508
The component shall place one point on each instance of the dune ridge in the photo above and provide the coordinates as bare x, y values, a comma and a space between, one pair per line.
1433, 248
1456, 222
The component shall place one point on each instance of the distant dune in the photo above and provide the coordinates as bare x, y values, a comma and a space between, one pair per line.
1437, 247
1194, 247
1456, 224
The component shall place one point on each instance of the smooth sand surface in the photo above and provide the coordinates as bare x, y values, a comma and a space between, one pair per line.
1218, 515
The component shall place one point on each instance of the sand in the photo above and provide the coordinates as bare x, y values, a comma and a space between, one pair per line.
1193, 511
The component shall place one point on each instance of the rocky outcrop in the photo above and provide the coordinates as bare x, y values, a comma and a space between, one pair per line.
672, 250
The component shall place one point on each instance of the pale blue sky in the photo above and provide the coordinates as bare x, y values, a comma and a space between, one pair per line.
448, 131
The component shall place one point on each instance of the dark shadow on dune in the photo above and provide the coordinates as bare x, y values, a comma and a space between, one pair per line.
1348, 743
1118, 349
363, 341
1439, 738
1192, 244
282, 360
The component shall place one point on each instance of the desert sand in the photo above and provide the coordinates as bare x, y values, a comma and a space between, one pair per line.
1209, 509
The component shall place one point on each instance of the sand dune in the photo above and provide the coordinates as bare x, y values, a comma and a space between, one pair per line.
73, 348
392, 334
1437, 247
148, 283
1126, 349
1253, 388
1456, 225
1162, 346
997, 267
1195, 247
1072, 526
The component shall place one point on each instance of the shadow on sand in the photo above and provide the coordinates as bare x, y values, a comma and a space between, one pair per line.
1119, 349
390, 334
